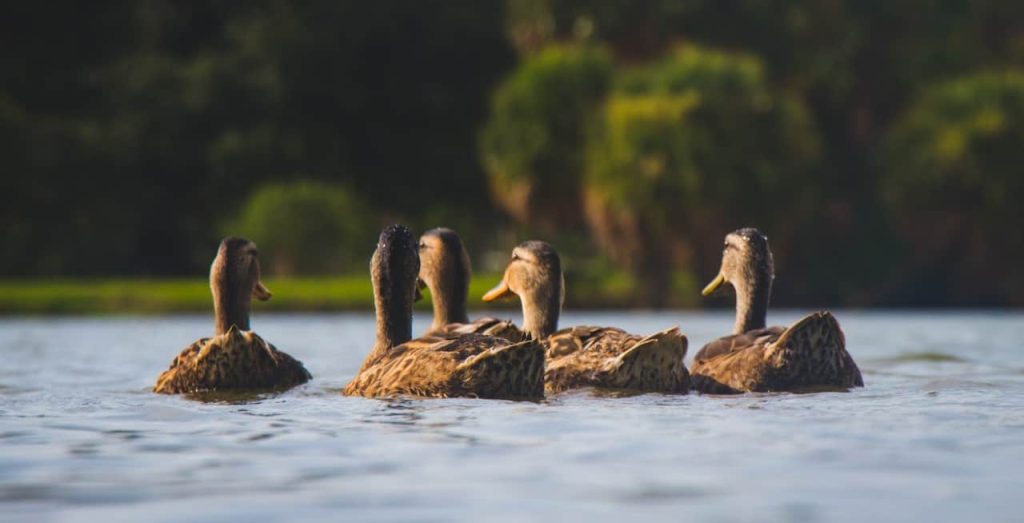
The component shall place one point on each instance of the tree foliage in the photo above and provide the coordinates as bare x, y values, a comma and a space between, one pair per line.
307, 227
873, 141
954, 184
138, 126
693, 143
533, 145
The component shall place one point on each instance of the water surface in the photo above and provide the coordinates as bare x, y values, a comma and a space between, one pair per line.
937, 434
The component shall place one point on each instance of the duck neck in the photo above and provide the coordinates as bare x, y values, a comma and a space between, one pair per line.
540, 316
449, 297
231, 302
752, 304
394, 319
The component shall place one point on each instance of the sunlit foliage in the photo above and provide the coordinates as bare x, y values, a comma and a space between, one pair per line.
307, 228
689, 147
533, 145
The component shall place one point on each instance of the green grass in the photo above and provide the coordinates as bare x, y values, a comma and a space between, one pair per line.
152, 296
61, 295
314, 293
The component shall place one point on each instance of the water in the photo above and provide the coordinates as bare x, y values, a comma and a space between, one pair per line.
937, 434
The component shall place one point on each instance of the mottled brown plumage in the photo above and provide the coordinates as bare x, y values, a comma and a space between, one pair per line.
487, 326
235, 358
586, 356
612, 358
810, 355
445, 270
470, 365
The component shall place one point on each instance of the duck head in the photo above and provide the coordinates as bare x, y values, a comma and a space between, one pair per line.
235, 281
393, 270
445, 269
748, 267
535, 275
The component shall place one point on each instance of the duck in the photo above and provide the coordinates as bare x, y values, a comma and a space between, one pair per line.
809, 355
235, 358
587, 356
445, 271
472, 365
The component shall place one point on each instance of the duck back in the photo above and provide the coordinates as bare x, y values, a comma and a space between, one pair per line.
235, 360
810, 355
470, 366
608, 357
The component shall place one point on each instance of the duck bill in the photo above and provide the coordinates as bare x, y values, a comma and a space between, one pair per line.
499, 292
418, 294
714, 285
260, 292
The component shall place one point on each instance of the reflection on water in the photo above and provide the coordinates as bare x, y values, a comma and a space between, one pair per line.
938, 433
923, 356
232, 397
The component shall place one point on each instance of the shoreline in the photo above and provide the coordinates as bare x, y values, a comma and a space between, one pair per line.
148, 296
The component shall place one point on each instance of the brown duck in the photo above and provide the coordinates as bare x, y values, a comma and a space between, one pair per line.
235, 358
445, 270
809, 355
604, 357
435, 366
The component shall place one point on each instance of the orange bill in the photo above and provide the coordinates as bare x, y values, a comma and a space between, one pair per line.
260, 292
499, 292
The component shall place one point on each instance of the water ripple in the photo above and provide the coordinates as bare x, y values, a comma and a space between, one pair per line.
937, 434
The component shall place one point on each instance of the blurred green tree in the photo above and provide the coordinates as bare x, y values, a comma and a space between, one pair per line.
953, 185
533, 145
128, 128
689, 148
169, 112
307, 227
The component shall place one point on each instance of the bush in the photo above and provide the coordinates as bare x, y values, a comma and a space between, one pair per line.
953, 184
689, 148
533, 145
307, 227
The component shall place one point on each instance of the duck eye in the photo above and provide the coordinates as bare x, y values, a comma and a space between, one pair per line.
515, 256
423, 245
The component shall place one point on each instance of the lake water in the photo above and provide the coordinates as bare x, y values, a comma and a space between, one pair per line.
937, 434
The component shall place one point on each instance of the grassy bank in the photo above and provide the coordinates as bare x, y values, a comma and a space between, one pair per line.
153, 296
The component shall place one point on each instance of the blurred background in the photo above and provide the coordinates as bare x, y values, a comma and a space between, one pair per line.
878, 144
